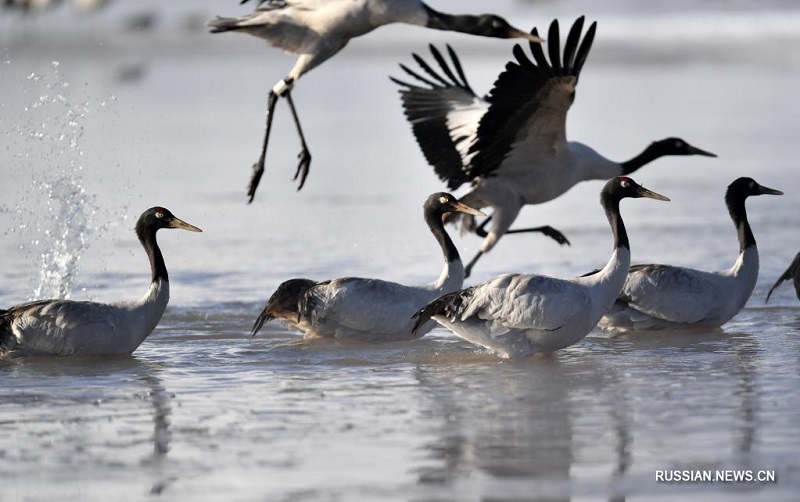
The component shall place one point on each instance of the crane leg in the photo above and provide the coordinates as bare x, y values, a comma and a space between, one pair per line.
472, 262
258, 167
481, 231
546, 230
304, 155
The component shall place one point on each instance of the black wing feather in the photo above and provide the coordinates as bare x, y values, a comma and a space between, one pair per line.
517, 93
583, 51
538, 52
449, 305
416, 75
457, 64
443, 65
572, 43
426, 109
425, 66
554, 47
523, 60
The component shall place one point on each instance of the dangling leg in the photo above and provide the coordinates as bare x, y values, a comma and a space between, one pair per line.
472, 262
258, 167
481, 232
546, 230
305, 155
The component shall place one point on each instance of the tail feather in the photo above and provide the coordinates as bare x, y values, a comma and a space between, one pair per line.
450, 305
271, 4
223, 24
284, 302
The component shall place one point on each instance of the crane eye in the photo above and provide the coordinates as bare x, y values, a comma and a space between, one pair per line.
443, 199
625, 184
159, 215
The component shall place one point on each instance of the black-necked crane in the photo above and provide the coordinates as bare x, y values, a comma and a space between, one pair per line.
369, 309
658, 297
316, 30
517, 315
512, 145
793, 272
66, 327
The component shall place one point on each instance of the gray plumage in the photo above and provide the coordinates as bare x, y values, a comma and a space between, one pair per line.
368, 309
658, 297
66, 327
517, 315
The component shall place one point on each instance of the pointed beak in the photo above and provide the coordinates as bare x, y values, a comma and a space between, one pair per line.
179, 223
463, 208
652, 195
768, 191
517, 33
696, 151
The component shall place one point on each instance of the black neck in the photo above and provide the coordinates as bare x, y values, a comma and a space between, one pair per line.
441, 21
147, 236
648, 155
434, 220
738, 214
611, 205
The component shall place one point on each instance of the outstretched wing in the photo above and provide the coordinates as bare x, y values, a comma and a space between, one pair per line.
529, 101
793, 272
444, 115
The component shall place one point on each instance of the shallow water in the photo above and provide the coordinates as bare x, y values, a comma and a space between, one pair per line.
202, 410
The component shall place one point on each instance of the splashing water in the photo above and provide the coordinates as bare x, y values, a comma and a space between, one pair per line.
57, 211
70, 210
